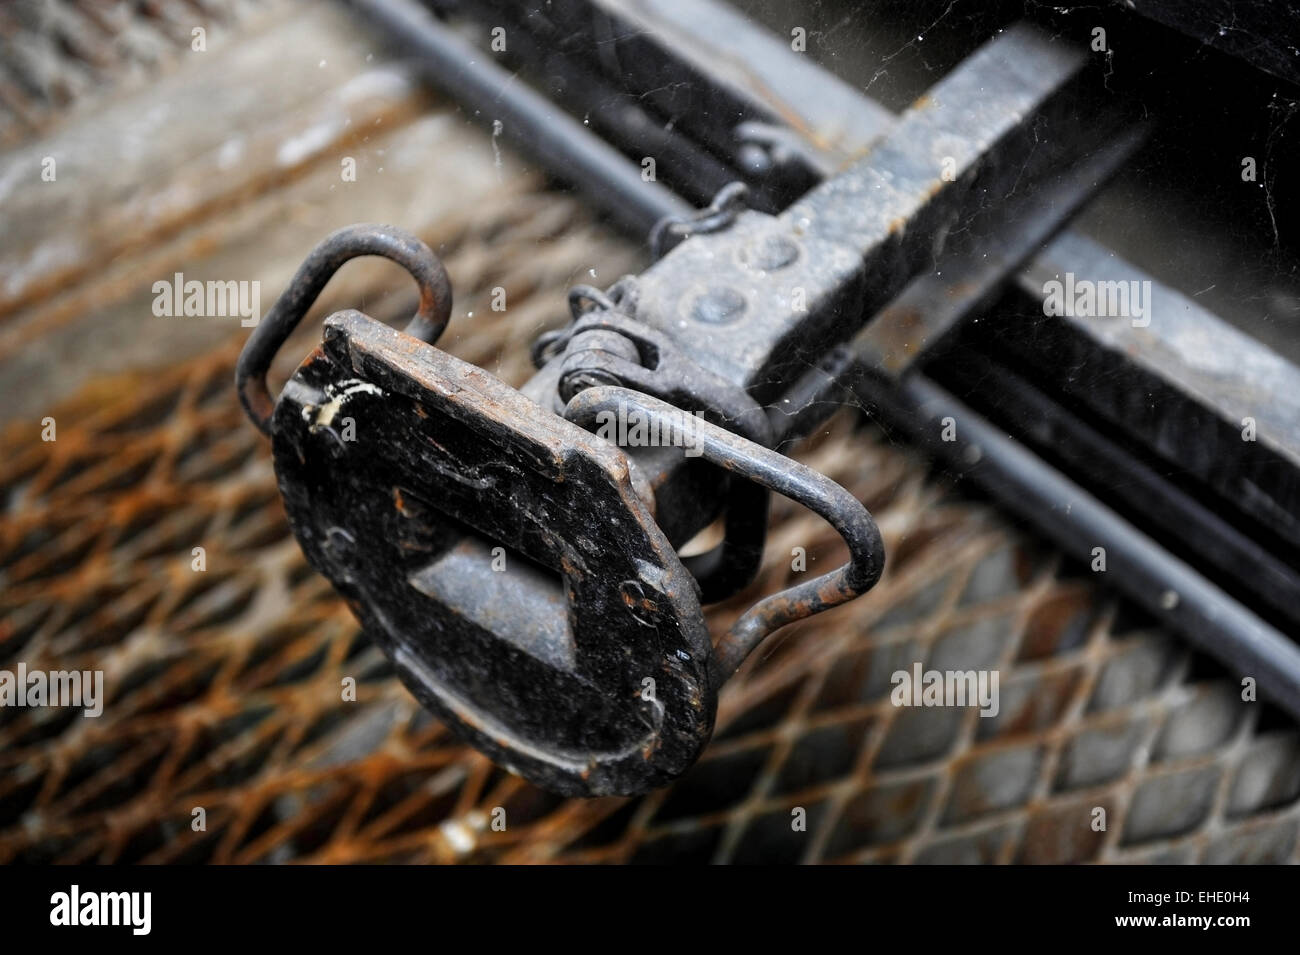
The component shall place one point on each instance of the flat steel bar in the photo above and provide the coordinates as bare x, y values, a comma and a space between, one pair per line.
1202, 394
716, 73
965, 281
1136, 484
755, 66
763, 300
1076, 521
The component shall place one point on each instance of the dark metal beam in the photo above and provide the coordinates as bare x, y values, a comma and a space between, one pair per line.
1077, 522
1178, 379
762, 300
714, 72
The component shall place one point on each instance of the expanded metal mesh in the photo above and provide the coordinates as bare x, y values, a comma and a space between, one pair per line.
224, 685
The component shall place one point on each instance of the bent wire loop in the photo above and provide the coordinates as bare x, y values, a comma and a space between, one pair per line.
718, 214
312, 276
789, 478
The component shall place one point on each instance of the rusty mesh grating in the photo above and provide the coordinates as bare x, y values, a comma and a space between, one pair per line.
224, 686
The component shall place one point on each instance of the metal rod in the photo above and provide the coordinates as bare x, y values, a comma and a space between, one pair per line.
560, 143
1077, 522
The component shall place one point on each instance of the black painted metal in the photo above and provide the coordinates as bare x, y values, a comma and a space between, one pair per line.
608, 348
789, 478
712, 73
440, 447
388, 451
1149, 385
546, 679
439, 450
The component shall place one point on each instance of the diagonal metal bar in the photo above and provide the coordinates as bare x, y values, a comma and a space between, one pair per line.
763, 300
563, 145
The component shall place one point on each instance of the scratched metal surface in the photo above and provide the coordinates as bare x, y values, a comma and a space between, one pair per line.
224, 686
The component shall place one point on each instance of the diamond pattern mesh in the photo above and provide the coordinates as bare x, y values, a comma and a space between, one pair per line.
224, 685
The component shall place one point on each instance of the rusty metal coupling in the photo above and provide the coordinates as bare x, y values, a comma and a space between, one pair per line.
513, 565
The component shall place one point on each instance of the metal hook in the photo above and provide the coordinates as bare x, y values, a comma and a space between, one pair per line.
718, 214
312, 276
787, 477
583, 298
